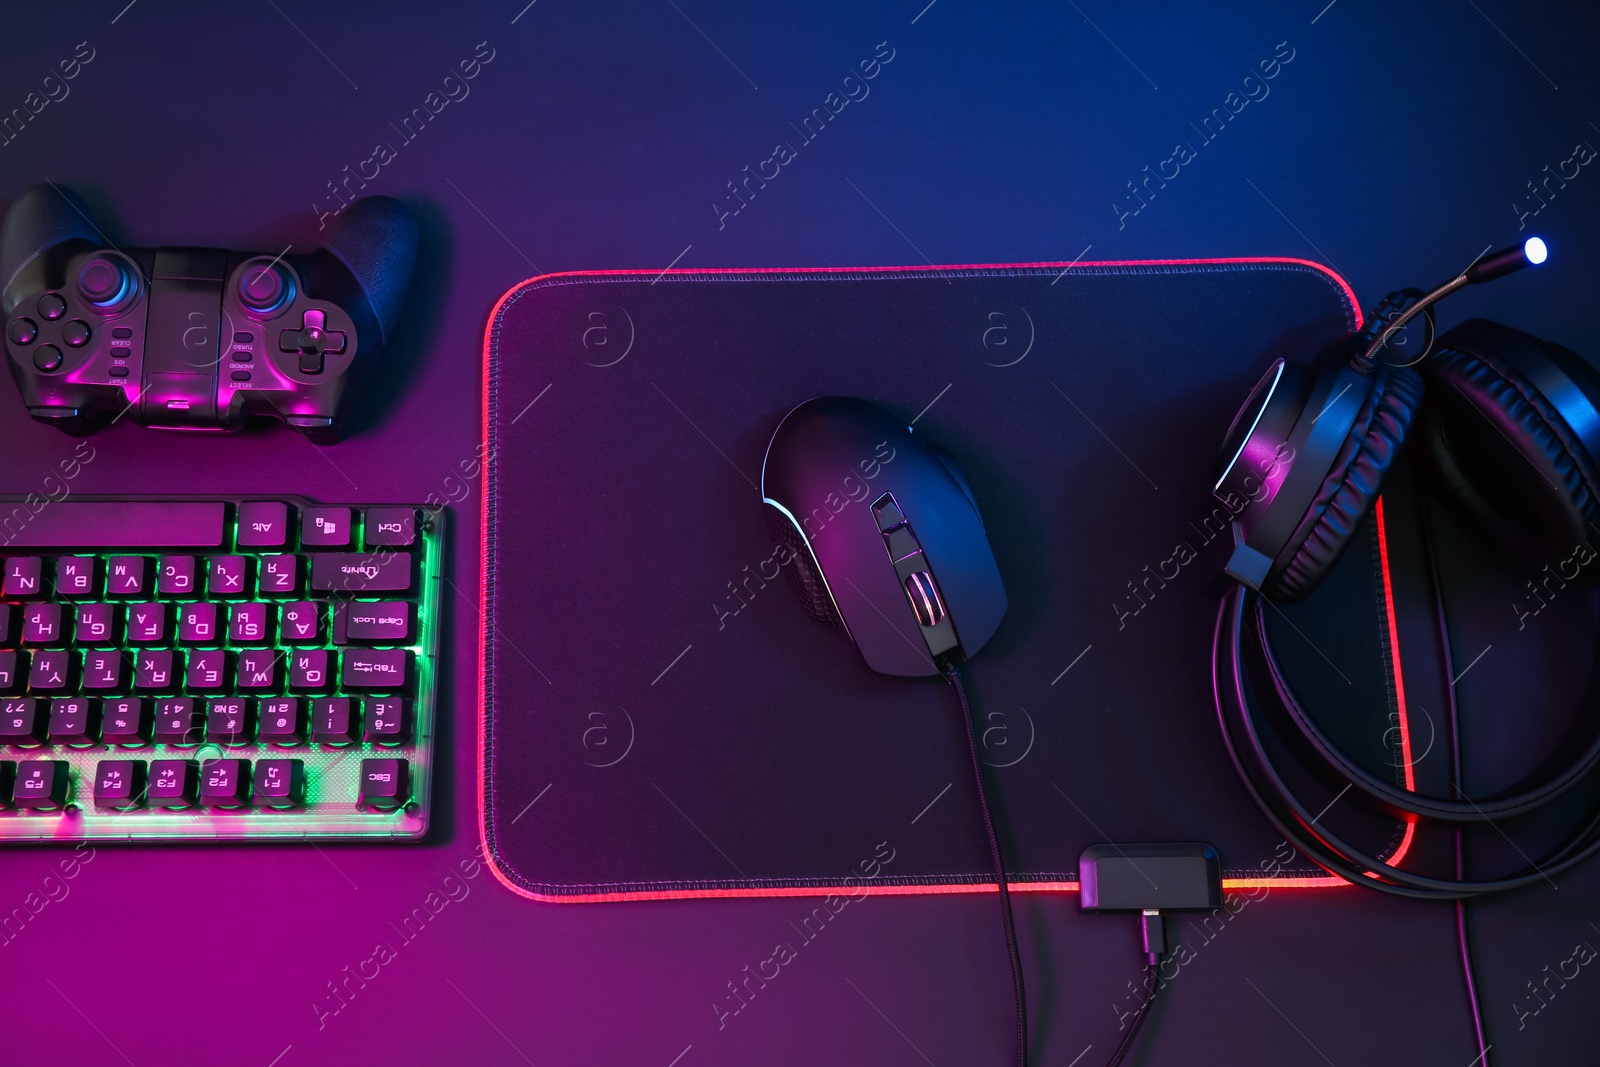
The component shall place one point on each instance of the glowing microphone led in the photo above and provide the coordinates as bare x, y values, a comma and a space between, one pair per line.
1529, 253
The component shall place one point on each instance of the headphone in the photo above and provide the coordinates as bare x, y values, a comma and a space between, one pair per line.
1506, 428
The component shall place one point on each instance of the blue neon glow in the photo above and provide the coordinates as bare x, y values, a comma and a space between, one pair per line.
1534, 248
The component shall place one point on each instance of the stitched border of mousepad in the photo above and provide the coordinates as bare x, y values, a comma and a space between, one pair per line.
659, 718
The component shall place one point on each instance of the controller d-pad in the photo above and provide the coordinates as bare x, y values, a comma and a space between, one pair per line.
312, 341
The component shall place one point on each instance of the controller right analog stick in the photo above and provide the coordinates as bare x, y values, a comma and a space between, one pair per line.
264, 287
105, 282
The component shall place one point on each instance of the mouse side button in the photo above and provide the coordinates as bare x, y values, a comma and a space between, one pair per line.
887, 512
901, 543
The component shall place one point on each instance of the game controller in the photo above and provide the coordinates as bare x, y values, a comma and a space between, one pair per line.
196, 338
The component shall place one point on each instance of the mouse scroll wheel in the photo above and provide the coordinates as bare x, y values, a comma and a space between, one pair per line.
924, 596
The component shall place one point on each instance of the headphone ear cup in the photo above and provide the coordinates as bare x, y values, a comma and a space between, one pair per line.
1352, 484
1499, 451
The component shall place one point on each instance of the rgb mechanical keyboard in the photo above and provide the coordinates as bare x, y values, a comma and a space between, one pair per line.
216, 668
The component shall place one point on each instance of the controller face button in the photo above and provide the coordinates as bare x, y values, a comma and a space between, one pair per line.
23, 331
121, 333
75, 333
47, 358
51, 306
240, 376
119, 372
104, 281
264, 288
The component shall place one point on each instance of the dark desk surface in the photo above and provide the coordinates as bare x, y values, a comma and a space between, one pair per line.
1394, 145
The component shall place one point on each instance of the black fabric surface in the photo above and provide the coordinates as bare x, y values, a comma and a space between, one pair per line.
683, 724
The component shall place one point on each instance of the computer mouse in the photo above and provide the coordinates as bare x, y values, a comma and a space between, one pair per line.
883, 536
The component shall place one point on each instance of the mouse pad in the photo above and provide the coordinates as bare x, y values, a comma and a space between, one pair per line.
661, 718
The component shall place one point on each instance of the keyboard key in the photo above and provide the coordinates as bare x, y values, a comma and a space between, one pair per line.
300, 623
356, 574
388, 721
197, 624
391, 527
283, 722
249, 624
97, 624
230, 577
325, 527
176, 576
157, 671
179, 722
50, 671
381, 669
225, 783
263, 524
71, 524
8, 625
128, 576
335, 720
41, 784
24, 578
208, 671
257, 669
147, 624
11, 664
173, 783
311, 670
22, 722
228, 721
280, 575
383, 623
42, 624
119, 784
75, 577
8, 781
280, 783
73, 721
385, 784
104, 670
125, 722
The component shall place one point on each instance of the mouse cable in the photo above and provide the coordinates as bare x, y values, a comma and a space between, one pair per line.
953, 673
1456, 775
